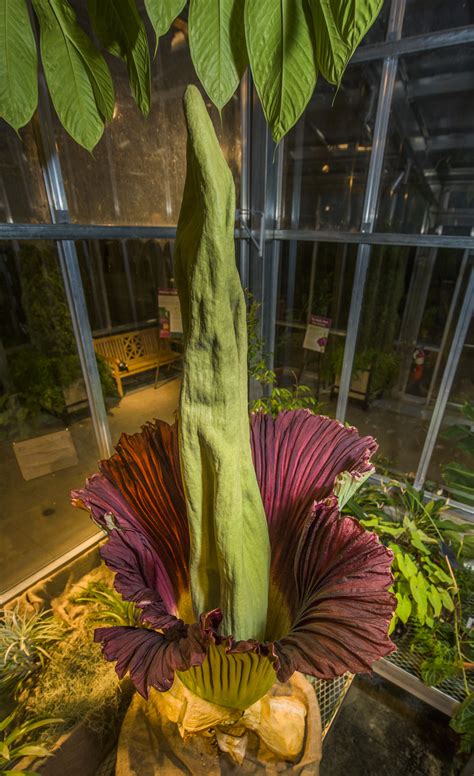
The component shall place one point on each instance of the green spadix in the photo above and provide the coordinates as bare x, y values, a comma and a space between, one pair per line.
230, 552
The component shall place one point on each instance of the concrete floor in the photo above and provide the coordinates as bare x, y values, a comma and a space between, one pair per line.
383, 731
38, 523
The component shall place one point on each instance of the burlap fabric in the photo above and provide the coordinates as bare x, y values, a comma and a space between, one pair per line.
176, 732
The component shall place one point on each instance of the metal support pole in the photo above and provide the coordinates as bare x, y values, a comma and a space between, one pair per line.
107, 320
128, 278
447, 380
271, 267
371, 199
244, 174
447, 325
295, 217
71, 274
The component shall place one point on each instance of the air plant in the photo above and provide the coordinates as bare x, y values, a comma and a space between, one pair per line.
228, 535
25, 640
107, 606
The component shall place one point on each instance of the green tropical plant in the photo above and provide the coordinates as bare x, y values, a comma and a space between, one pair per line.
431, 595
382, 365
463, 723
43, 370
421, 538
26, 639
286, 42
15, 742
278, 399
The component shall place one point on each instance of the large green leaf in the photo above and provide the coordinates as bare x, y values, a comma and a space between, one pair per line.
18, 64
217, 45
120, 29
282, 59
403, 610
75, 72
99, 73
339, 26
162, 13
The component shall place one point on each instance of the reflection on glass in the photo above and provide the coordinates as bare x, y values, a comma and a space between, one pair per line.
411, 304
421, 16
46, 438
136, 173
122, 280
22, 192
327, 153
452, 464
315, 279
428, 173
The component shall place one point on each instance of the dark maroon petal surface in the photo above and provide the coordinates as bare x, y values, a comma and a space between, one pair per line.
146, 472
107, 506
297, 457
140, 576
149, 657
339, 600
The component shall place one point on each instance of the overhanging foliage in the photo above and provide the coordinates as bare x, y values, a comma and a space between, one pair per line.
286, 42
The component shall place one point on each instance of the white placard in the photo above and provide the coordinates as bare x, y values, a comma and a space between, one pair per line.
317, 332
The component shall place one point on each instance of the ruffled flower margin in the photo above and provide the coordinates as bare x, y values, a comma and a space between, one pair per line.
328, 574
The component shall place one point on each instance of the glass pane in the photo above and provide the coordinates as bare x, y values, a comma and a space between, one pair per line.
410, 308
46, 437
421, 16
452, 463
378, 31
315, 282
429, 162
22, 192
122, 282
136, 173
327, 153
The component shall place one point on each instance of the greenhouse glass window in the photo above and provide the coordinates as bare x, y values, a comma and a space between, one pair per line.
136, 173
47, 440
326, 157
429, 159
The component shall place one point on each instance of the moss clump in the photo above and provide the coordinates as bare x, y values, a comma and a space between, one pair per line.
78, 686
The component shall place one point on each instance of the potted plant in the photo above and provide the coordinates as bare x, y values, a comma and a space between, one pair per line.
228, 536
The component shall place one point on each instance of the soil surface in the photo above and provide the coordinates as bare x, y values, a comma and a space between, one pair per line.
383, 731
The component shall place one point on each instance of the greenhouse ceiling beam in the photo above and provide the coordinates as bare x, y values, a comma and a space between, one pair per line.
59, 232
415, 44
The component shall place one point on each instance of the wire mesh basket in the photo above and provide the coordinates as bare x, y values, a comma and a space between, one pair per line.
409, 657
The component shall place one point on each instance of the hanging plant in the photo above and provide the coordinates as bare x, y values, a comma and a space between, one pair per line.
286, 42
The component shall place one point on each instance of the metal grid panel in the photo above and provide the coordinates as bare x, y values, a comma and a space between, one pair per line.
330, 695
410, 660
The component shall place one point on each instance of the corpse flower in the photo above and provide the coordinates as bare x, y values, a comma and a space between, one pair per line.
228, 535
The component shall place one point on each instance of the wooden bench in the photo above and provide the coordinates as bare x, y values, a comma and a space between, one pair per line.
132, 352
